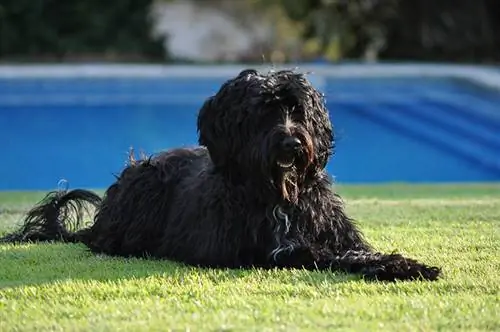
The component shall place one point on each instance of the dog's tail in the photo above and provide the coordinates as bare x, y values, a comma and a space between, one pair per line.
57, 217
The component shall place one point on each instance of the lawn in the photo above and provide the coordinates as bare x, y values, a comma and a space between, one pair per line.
63, 287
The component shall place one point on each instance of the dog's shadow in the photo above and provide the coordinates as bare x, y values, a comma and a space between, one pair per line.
37, 264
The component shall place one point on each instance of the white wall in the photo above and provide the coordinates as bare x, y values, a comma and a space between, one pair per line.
205, 33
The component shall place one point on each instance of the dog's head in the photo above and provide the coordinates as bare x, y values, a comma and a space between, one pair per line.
270, 127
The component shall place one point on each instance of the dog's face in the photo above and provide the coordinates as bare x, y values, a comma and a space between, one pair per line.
268, 127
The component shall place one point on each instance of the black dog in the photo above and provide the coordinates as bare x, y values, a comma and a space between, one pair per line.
255, 194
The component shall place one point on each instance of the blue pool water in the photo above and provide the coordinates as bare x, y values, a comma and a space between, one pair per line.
388, 129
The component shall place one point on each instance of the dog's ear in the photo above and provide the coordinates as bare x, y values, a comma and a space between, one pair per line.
211, 131
323, 130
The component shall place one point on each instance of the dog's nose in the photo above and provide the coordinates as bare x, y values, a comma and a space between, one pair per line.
291, 143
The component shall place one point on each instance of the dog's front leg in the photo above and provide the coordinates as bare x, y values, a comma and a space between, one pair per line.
371, 265
302, 258
384, 267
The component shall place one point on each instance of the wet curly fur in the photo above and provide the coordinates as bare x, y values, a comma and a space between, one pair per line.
254, 194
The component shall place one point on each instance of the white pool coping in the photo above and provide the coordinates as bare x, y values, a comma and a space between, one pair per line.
481, 75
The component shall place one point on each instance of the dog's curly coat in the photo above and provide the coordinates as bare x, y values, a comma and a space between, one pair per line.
255, 194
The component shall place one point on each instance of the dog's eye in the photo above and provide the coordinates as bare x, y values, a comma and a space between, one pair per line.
269, 118
295, 113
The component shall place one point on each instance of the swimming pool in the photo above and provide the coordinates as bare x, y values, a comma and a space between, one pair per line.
389, 128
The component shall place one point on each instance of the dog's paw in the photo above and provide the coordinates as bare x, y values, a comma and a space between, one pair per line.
396, 267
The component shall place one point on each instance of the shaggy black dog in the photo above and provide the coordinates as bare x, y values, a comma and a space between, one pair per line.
255, 194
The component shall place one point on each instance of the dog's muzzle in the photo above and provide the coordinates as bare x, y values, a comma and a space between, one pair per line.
289, 150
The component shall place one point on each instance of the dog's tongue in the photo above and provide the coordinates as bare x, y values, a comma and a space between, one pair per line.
289, 188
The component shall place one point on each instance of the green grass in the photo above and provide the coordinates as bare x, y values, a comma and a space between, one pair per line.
63, 287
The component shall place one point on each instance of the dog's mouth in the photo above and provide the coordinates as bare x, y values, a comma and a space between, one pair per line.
286, 163
289, 160
287, 169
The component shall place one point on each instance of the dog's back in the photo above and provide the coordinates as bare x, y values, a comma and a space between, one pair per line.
134, 213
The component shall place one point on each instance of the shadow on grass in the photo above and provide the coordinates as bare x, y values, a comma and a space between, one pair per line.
38, 264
